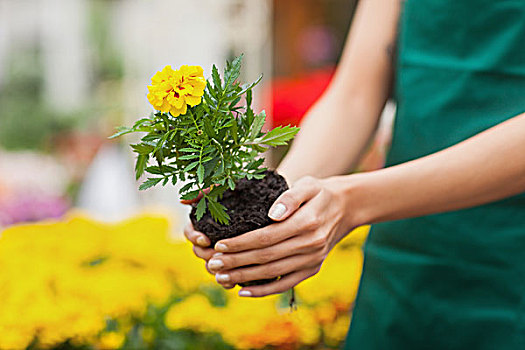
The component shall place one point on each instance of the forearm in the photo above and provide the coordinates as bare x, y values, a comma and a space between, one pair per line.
485, 168
332, 124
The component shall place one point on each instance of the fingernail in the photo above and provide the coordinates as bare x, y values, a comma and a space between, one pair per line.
245, 293
222, 277
221, 247
202, 241
216, 255
277, 211
215, 264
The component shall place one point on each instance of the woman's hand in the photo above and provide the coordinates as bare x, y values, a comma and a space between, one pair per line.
312, 217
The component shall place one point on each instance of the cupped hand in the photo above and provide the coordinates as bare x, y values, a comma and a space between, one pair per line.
311, 218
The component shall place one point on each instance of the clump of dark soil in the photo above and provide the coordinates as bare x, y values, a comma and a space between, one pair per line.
248, 207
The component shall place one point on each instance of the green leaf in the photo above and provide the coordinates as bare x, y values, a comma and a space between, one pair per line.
121, 130
234, 102
140, 165
140, 122
258, 148
209, 129
210, 95
191, 166
151, 137
188, 149
279, 136
232, 71
255, 164
191, 195
249, 98
217, 191
210, 166
155, 170
216, 78
162, 141
234, 130
218, 211
142, 148
188, 156
201, 208
248, 87
186, 187
150, 183
200, 173
231, 184
257, 125
159, 156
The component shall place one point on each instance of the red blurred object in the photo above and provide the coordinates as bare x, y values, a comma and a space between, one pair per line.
292, 97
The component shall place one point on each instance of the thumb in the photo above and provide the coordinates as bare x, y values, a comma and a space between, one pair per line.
289, 201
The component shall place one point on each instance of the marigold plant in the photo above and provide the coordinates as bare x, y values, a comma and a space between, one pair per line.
203, 133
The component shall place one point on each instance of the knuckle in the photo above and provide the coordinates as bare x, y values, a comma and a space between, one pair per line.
265, 238
187, 232
312, 222
310, 181
265, 256
305, 180
195, 251
237, 277
318, 241
289, 197
201, 253
272, 271
228, 262
319, 258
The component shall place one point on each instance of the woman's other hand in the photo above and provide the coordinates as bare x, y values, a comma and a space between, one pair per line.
311, 218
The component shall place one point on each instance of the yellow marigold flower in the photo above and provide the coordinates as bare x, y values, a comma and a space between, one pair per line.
335, 332
111, 340
173, 90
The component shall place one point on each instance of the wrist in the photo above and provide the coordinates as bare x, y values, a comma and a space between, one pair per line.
357, 194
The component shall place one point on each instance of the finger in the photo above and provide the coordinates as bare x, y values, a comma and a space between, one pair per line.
260, 238
203, 253
305, 220
289, 201
196, 237
208, 269
301, 244
280, 286
225, 285
267, 271
228, 286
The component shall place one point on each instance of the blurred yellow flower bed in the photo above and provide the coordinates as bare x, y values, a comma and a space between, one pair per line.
87, 285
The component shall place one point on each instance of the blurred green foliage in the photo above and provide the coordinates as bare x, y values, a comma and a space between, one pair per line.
107, 63
25, 121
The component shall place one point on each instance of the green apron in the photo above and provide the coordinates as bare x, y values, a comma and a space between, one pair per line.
453, 280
